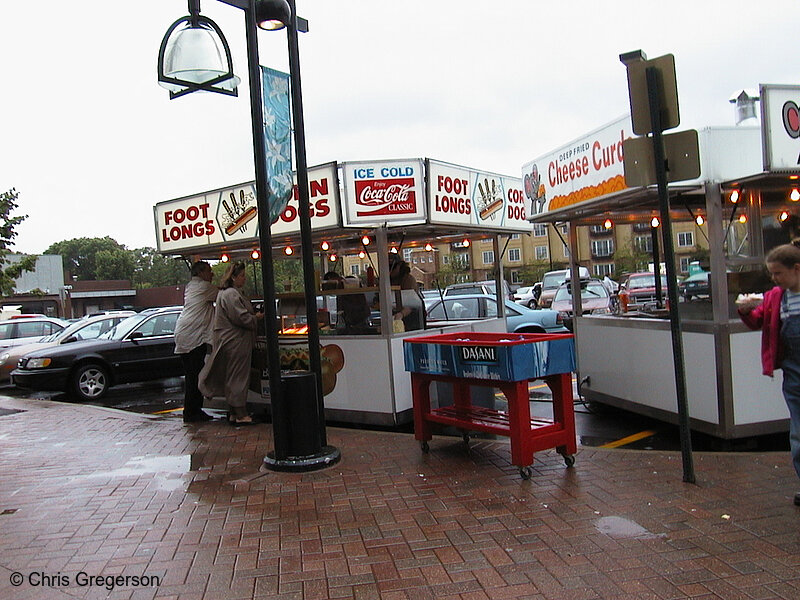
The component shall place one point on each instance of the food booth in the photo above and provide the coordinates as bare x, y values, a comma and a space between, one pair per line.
744, 203
395, 204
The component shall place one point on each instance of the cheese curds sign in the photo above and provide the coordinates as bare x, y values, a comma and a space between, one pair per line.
586, 168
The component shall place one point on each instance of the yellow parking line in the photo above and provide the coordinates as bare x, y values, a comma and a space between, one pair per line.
164, 412
629, 440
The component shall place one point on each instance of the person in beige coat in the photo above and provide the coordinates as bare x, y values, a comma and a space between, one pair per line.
227, 372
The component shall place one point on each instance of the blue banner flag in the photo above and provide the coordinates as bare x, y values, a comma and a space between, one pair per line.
277, 134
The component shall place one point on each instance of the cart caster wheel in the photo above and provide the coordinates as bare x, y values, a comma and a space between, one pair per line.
425, 447
569, 460
525, 472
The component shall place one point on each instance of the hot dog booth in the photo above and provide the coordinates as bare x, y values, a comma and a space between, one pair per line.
394, 204
744, 203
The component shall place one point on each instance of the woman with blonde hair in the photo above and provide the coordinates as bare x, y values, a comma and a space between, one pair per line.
227, 372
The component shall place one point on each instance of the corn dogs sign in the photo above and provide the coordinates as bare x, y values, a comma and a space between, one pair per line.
461, 196
589, 167
231, 215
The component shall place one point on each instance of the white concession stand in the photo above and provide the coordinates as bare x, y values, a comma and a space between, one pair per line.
745, 199
396, 203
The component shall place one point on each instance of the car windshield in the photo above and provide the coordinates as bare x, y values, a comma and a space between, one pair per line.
553, 280
589, 291
123, 327
645, 281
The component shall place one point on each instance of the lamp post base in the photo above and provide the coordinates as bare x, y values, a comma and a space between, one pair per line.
326, 457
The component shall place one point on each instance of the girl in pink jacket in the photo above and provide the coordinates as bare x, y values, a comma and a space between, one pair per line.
778, 317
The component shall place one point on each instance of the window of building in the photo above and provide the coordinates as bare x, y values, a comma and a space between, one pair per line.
643, 243
602, 247
514, 255
603, 269
488, 257
564, 250
539, 229
445, 260
597, 229
541, 252
685, 239
407, 254
684, 263
514, 236
355, 269
515, 278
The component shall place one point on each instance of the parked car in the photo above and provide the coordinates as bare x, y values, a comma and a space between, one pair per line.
552, 279
139, 348
529, 295
87, 328
472, 307
477, 287
640, 289
24, 330
695, 285
595, 300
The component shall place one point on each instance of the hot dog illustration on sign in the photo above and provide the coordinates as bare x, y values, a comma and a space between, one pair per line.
235, 211
491, 199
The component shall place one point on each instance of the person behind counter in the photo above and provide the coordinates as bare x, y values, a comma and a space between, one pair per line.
778, 317
193, 337
227, 372
412, 312
353, 309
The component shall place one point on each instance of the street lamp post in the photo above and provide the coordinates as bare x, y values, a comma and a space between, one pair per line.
187, 75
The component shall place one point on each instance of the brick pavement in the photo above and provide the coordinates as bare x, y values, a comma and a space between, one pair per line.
107, 493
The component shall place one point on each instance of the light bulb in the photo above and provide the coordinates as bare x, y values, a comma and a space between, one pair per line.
255, 255
654, 222
288, 251
608, 224
325, 245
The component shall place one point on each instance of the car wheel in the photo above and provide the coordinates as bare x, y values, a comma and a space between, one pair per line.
90, 382
532, 304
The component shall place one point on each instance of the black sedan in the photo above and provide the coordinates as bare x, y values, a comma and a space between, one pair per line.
140, 348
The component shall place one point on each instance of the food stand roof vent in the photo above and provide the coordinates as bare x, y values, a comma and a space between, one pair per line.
745, 104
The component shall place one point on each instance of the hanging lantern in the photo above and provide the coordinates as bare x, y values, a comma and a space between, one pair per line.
325, 246
654, 222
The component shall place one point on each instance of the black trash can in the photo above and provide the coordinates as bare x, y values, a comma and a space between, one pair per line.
296, 423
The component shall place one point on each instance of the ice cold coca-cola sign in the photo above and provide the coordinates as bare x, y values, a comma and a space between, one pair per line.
382, 192
386, 197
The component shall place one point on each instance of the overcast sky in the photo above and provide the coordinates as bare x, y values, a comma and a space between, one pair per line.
91, 142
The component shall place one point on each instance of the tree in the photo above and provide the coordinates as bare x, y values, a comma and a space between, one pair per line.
80, 257
156, 270
8, 224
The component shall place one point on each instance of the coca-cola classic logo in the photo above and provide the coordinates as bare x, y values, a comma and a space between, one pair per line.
386, 197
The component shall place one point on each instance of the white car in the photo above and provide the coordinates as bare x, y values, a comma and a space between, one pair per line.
21, 329
529, 295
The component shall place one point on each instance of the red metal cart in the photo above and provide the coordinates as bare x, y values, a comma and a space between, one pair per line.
504, 361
